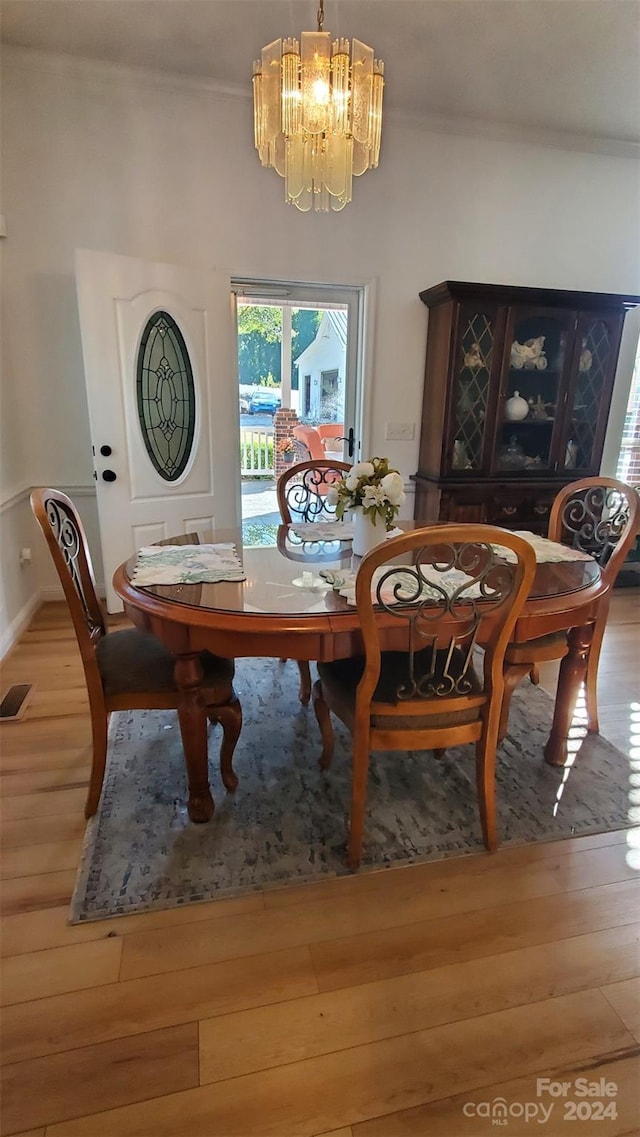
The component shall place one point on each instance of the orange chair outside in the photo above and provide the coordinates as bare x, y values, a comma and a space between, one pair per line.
311, 441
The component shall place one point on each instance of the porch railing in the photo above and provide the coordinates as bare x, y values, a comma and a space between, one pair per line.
256, 452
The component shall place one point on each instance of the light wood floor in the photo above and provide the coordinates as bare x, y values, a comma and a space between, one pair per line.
371, 1006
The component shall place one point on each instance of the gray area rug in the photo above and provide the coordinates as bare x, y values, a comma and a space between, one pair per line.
286, 823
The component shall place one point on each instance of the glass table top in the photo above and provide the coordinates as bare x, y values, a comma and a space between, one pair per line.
285, 579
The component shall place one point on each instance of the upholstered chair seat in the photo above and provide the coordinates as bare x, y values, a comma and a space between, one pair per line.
130, 660
340, 680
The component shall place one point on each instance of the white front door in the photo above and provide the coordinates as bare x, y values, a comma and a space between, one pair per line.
158, 342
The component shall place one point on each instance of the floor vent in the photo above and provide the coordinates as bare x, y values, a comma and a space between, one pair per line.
14, 702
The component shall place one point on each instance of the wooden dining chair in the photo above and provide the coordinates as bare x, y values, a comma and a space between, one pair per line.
599, 516
426, 694
126, 669
302, 490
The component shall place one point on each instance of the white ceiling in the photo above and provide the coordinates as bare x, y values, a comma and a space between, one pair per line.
560, 65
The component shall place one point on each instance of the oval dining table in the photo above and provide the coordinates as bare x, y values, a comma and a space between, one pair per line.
284, 609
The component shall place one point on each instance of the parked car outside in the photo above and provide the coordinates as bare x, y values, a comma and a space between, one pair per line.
244, 404
264, 401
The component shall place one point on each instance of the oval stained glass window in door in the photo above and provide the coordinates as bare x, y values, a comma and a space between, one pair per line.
166, 396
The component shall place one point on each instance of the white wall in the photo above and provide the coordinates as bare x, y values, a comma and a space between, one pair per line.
100, 158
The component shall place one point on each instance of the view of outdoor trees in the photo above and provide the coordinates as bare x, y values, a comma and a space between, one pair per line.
259, 336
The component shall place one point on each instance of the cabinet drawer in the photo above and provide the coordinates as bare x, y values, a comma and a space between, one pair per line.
524, 510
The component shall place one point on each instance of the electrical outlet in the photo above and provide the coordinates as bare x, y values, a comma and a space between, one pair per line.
400, 431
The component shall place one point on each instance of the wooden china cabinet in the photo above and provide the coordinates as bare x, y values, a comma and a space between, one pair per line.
517, 390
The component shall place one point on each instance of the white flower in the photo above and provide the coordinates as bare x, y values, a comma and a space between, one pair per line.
392, 485
373, 495
332, 496
360, 470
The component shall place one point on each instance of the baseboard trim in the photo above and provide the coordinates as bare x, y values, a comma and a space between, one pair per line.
19, 624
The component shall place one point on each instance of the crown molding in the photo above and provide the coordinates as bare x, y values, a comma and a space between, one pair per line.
106, 73
528, 135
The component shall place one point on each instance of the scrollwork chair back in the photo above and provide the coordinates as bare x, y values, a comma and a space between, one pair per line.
302, 490
599, 516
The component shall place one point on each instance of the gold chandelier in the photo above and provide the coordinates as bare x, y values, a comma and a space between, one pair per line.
318, 115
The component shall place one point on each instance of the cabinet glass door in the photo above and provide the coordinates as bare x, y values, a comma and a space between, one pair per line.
532, 389
594, 367
473, 361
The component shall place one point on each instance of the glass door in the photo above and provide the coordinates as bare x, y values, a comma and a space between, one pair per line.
299, 386
589, 395
537, 363
476, 358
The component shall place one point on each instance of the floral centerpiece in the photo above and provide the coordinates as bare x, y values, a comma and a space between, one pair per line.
373, 490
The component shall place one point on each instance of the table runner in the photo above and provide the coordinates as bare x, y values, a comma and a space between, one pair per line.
330, 531
187, 564
547, 552
343, 581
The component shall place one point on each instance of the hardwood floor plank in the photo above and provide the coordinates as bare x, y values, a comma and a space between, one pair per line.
625, 999
33, 931
84, 1018
343, 1088
18, 761
63, 1086
382, 881
592, 867
304, 1028
42, 781
435, 943
28, 860
446, 1117
48, 890
35, 806
31, 1133
153, 953
27, 738
52, 972
61, 827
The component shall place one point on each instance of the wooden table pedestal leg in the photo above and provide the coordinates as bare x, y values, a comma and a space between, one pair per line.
193, 728
573, 670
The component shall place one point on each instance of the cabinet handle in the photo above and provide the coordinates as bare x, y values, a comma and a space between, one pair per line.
509, 510
541, 509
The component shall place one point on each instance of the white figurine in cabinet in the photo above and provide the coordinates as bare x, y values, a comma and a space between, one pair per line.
529, 354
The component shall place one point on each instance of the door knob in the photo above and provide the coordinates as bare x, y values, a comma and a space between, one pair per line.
109, 476
106, 451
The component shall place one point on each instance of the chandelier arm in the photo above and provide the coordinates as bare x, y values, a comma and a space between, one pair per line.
321, 15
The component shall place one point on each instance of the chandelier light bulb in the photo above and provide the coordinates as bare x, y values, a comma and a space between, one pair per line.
317, 109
